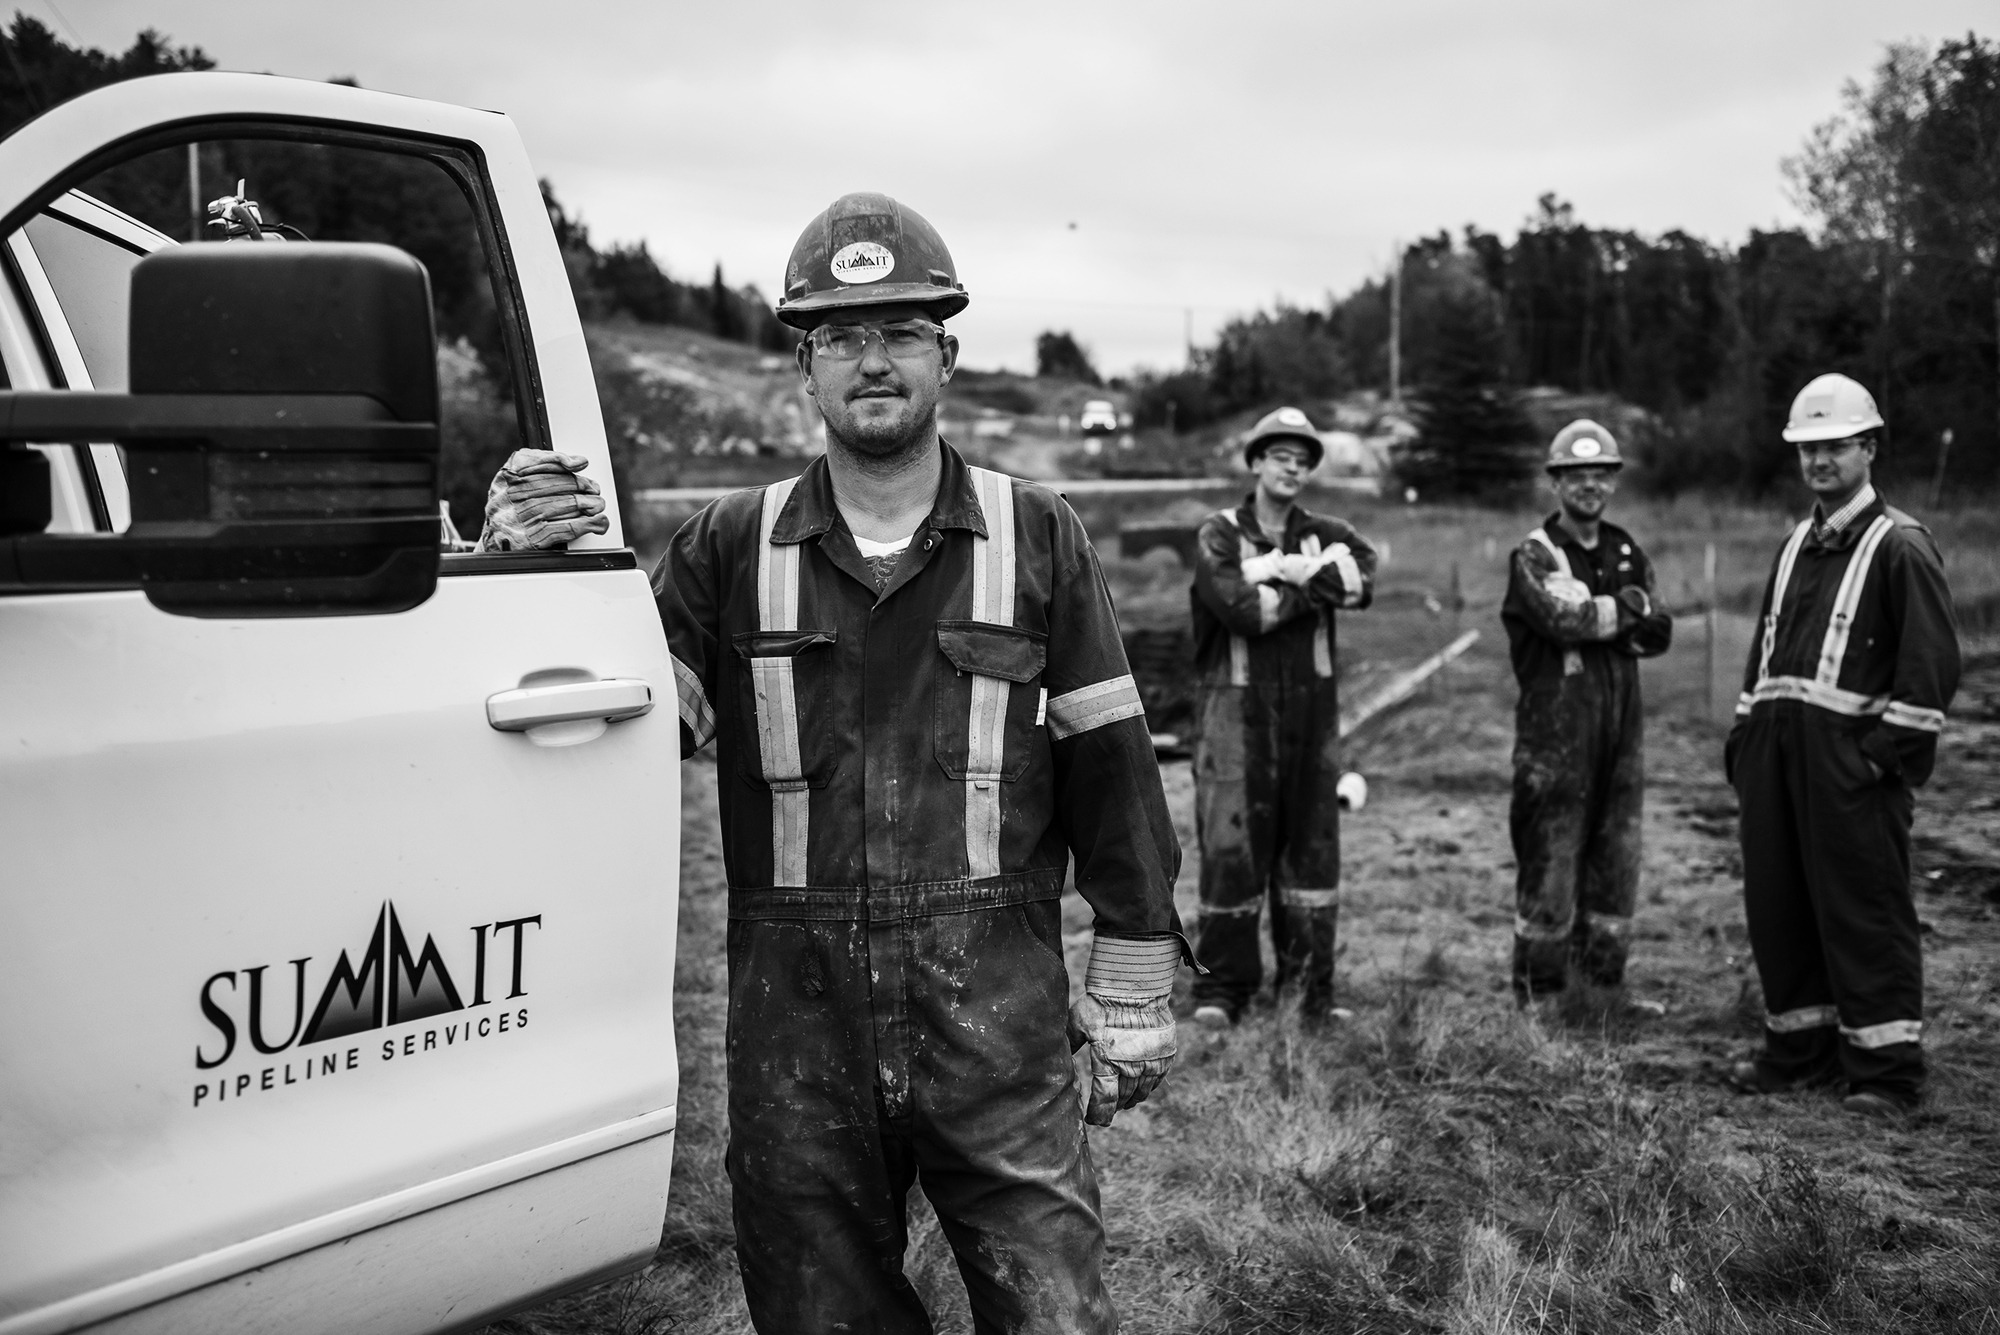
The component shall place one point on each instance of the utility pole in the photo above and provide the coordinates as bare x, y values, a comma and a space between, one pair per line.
194, 192
1937, 479
1187, 333
1396, 330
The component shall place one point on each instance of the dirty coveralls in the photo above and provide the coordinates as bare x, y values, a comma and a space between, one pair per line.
1579, 765
1267, 753
903, 773
1856, 661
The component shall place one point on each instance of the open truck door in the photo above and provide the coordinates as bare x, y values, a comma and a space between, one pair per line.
341, 915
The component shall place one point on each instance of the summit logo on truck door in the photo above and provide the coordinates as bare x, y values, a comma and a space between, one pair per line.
299, 1014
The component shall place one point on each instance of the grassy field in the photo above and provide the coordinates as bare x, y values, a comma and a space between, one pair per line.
1443, 1162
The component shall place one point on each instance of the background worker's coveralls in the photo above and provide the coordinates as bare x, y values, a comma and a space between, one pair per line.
1856, 661
1579, 763
1267, 752
903, 775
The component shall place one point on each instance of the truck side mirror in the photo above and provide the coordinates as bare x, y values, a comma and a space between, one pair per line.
281, 436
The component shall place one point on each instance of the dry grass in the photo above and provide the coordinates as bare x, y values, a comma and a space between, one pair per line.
1443, 1162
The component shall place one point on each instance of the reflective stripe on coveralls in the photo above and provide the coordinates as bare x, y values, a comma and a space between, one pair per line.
774, 683
1822, 688
986, 735
1828, 1017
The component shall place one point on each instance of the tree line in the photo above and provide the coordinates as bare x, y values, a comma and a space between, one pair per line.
1894, 280
329, 191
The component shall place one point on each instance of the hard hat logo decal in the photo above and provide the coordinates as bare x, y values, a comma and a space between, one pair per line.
1292, 417
863, 262
1818, 406
1586, 448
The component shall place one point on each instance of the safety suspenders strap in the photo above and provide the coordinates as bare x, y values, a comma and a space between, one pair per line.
1822, 688
986, 737
773, 685
1239, 648
1572, 656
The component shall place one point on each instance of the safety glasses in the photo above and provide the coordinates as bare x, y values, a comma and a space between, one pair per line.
847, 342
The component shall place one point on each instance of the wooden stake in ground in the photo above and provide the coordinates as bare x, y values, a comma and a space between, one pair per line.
1401, 686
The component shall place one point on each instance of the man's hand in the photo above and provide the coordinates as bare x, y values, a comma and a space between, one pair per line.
1124, 1016
539, 500
1567, 589
1263, 569
1636, 602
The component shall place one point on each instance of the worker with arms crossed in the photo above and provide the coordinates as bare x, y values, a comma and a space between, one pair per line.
1844, 695
1579, 615
1268, 578
922, 709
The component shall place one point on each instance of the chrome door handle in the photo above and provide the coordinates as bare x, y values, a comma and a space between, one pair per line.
541, 711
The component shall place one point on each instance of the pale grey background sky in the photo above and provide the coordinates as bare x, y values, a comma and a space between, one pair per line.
1213, 157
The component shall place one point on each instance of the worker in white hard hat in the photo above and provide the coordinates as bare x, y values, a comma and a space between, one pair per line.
1579, 613
1844, 698
1269, 576
923, 716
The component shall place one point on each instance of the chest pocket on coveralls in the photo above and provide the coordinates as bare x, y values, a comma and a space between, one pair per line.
990, 701
784, 696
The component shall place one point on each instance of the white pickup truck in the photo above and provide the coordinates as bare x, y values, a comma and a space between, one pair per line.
339, 874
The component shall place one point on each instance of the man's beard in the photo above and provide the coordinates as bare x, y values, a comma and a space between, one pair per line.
883, 440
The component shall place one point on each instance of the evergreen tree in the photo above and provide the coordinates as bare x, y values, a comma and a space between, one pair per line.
46, 70
1475, 439
1058, 356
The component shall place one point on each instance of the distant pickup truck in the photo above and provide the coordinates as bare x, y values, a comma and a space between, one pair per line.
340, 870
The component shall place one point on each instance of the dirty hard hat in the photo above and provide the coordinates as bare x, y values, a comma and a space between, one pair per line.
1832, 407
868, 250
1583, 443
1283, 424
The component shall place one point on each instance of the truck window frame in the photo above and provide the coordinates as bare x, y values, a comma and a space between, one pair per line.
464, 163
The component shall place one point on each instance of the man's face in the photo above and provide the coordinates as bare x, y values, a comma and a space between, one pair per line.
879, 402
1584, 489
1281, 470
1835, 468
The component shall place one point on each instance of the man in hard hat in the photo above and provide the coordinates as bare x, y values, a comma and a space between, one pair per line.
1268, 578
1579, 615
1844, 696
922, 711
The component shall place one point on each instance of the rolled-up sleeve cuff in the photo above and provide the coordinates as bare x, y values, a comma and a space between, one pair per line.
1606, 608
695, 711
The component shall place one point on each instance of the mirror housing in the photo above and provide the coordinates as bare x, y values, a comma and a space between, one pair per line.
281, 436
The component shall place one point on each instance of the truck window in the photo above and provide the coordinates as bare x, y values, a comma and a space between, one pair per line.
424, 198
91, 276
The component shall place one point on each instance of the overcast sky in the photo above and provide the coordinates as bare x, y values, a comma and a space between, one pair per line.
1104, 168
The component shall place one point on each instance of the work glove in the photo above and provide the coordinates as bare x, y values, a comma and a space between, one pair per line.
1636, 602
538, 500
1299, 568
1567, 589
1124, 1017
1263, 569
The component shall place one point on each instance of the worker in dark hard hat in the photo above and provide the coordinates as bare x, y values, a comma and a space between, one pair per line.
1579, 614
1269, 576
922, 711
1844, 697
